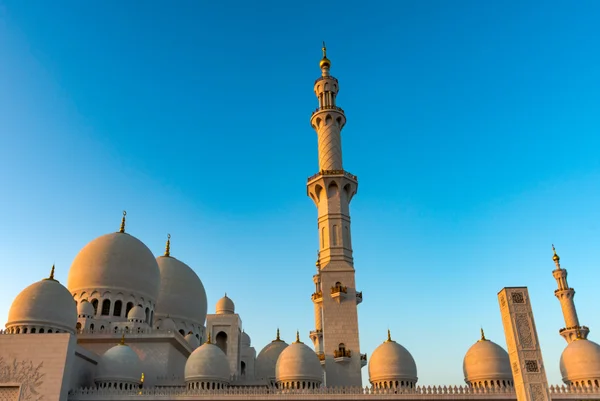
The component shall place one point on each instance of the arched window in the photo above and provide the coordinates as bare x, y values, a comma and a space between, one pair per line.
243, 368
95, 305
147, 315
221, 341
78, 326
92, 326
106, 307
128, 308
151, 318
182, 332
33, 331
41, 331
118, 307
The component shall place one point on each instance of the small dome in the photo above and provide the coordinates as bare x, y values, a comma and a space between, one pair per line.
167, 324
298, 362
225, 306
116, 262
46, 304
137, 313
192, 340
245, 340
486, 361
580, 361
181, 293
85, 309
119, 364
267, 359
392, 362
207, 364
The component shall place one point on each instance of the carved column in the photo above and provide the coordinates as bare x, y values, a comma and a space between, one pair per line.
523, 346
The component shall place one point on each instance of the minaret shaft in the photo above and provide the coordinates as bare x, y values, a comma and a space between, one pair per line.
336, 314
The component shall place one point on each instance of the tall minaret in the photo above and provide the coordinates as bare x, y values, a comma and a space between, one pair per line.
336, 316
572, 330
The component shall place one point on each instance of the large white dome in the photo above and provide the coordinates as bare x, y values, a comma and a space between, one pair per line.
116, 262
486, 361
298, 363
580, 362
46, 304
181, 295
207, 364
391, 362
119, 364
267, 358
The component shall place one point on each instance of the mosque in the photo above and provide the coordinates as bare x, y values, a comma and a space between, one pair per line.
130, 325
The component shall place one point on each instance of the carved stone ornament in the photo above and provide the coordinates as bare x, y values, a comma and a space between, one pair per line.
531, 366
26, 374
517, 298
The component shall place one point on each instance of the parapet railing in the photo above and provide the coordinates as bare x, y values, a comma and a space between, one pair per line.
270, 392
332, 172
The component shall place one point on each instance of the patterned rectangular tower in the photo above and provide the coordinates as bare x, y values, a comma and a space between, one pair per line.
523, 346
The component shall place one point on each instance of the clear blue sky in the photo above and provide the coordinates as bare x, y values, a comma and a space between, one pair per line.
473, 127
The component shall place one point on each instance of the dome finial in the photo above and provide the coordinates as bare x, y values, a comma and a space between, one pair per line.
208, 340
277, 338
122, 229
389, 339
556, 258
325, 63
122, 342
51, 273
298, 337
482, 335
168, 248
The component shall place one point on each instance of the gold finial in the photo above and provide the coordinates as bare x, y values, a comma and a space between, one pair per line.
142, 378
482, 335
122, 229
325, 63
389, 339
318, 263
277, 338
208, 340
556, 258
122, 342
168, 248
298, 337
51, 273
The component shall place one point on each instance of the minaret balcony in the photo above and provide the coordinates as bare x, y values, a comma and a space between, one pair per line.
358, 297
321, 356
322, 108
342, 355
327, 77
316, 334
339, 292
317, 296
333, 172
363, 360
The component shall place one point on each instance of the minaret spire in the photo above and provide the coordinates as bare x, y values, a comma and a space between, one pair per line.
565, 294
332, 189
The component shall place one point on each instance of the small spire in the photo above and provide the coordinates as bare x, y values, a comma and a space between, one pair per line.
556, 258
208, 340
325, 63
318, 263
168, 248
277, 338
52, 273
122, 339
122, 229
389, 339
298, 337
482, 335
